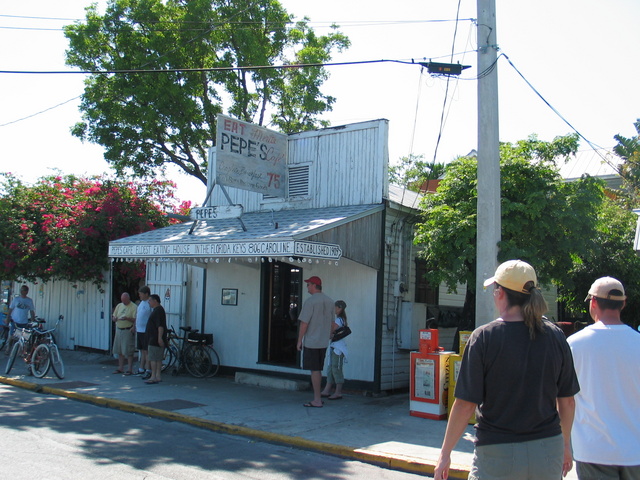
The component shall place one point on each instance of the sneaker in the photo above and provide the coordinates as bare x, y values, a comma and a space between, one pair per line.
140, 371
146, 376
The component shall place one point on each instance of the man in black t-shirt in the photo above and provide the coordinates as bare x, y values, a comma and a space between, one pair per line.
156, 338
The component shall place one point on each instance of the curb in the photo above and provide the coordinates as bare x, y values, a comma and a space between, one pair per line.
395, 462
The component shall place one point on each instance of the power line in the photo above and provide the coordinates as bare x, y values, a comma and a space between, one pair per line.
446, 93
595, 147
207, 69
350, 23
40, 112
406, 62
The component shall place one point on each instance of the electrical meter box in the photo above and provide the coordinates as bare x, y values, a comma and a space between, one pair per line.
413, 318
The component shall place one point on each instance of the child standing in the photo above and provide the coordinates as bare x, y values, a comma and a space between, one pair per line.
337, 354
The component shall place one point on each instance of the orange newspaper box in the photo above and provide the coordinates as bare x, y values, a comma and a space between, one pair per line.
428, 340
429, 385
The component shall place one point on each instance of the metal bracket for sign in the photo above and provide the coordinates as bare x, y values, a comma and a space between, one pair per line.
224, 191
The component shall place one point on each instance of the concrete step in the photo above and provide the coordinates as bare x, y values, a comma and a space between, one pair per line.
271, 382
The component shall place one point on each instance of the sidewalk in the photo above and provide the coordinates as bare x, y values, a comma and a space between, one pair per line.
371, 429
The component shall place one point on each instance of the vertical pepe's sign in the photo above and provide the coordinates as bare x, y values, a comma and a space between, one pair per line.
250, 157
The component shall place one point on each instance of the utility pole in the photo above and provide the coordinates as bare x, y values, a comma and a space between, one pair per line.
489, 222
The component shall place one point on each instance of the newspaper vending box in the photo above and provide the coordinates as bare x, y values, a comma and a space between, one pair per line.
429, 378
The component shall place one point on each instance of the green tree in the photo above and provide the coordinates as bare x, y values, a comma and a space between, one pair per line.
60, 227
609, 253
545, 221
629, 150
146, 120
414, 172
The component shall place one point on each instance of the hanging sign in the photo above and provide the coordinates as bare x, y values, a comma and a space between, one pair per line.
216, 213
250, 157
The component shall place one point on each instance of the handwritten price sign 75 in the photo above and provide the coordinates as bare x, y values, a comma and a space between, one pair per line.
274, 180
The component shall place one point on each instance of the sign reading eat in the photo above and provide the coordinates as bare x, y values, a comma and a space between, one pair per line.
250, 157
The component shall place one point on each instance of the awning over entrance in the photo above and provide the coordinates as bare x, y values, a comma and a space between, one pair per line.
268, 234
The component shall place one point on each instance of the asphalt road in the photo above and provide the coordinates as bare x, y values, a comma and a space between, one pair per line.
50, 437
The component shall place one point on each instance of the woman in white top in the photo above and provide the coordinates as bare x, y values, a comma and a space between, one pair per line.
338, 354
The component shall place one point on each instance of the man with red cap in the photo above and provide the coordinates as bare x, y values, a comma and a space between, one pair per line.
315, 333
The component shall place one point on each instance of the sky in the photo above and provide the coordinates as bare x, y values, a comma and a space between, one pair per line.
581, 56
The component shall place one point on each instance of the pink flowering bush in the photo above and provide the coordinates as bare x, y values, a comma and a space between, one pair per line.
60, 227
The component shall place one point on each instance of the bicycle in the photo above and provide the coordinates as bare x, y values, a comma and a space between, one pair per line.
24, 342
38, 349
193, 351
46, 354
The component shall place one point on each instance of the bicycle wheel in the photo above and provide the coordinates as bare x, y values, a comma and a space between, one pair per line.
40, 360
56, 361
215, 362
12, 356
197, 360
169, 357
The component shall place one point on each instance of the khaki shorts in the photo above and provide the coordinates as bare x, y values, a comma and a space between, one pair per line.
124, 343
155, 353
536, 459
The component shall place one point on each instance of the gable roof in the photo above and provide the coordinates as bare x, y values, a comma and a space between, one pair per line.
595, 163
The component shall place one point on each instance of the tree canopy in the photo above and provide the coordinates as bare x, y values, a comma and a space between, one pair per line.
610, 252
145, 120
545, 221
60, 227
629, 150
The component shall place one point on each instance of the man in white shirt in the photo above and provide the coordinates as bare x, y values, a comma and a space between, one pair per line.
21, 309
142, 316
606, 428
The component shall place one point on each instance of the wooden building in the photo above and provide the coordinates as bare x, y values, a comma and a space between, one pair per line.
242, 278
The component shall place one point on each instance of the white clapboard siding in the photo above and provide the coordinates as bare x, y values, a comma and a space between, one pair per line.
85, 307
169, 281
347, 166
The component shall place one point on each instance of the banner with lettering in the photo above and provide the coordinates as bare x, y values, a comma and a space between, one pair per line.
250, 248
250, 157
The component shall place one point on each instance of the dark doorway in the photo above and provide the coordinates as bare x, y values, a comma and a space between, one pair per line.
125, 277
281, 303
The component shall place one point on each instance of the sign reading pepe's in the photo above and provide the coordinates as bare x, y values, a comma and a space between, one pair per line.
250, 157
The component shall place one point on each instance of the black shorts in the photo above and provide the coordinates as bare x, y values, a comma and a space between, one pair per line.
141, 341
313, 359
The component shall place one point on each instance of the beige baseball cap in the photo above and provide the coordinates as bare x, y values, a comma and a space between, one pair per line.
602, 288
514, 275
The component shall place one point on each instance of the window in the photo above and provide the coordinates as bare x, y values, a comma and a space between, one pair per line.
425, 293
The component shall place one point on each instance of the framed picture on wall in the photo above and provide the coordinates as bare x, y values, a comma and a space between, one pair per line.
229, 296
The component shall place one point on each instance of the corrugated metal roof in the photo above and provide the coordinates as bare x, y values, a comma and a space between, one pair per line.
271, 225
403, 196
590, 162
